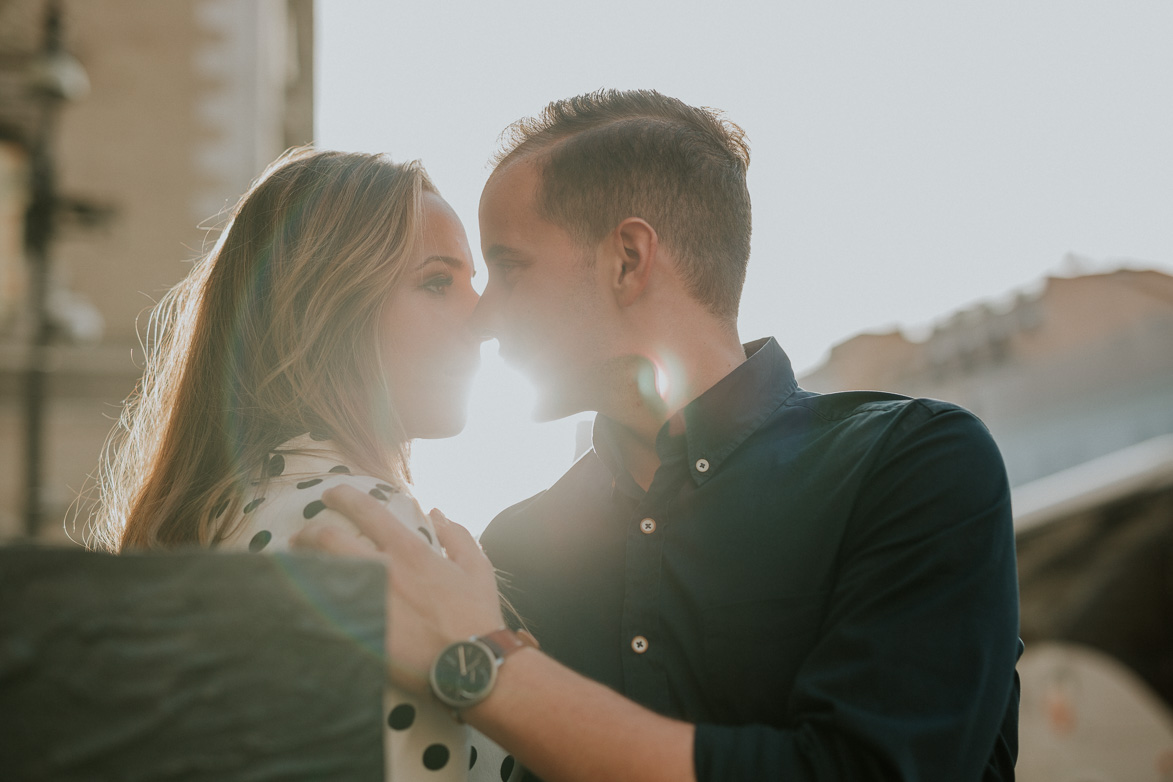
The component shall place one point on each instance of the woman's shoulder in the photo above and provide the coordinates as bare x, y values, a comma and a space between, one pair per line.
288, 495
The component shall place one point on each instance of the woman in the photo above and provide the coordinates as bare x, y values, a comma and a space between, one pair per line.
326, 330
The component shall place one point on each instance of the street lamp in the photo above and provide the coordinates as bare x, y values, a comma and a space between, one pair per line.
53, 77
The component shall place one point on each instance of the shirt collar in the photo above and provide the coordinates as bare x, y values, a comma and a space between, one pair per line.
709, 428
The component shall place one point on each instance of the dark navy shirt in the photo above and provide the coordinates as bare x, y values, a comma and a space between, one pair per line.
824, 584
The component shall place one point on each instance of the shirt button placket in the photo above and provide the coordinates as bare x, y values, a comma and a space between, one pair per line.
644, 676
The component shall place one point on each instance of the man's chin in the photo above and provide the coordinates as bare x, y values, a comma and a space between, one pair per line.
552, 404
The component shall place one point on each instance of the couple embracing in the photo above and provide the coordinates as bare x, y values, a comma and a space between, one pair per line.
741, 580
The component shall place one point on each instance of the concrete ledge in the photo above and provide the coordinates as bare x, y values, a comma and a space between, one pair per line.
193, 666
1144, 467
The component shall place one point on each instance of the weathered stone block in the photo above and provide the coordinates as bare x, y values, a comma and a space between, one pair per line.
192, 666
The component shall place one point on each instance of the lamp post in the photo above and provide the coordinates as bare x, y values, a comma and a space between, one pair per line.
54, 77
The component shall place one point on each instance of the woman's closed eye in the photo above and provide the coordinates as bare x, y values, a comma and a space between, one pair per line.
437, 283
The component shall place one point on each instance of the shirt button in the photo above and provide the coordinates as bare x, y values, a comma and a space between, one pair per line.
639, 644
647, 526
702, 465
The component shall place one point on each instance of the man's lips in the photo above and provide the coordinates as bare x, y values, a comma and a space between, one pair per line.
511, 354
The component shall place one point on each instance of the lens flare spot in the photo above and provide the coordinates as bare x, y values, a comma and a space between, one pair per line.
663, 382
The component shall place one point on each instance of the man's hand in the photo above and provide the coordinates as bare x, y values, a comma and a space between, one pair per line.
561, 725
431, 600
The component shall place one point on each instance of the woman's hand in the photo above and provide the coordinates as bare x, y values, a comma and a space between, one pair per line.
431, 601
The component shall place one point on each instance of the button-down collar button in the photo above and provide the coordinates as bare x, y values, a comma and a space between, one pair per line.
702, 465
647, 526
639, 644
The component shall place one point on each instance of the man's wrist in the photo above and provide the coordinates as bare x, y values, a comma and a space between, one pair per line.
506, 680
464, 673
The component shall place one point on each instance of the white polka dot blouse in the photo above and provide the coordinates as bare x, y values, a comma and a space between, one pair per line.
422, 740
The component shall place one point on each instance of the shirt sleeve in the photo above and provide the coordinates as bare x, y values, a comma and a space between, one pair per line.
912, 677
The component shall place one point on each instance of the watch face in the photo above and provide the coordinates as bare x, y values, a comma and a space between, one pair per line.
464, 673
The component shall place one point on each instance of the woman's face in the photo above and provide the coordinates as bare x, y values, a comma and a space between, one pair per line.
428, 350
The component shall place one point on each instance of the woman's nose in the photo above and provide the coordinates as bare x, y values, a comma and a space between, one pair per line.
474, 325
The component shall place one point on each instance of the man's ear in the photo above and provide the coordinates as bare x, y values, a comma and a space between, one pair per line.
634, 252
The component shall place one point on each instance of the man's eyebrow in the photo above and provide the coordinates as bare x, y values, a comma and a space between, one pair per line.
448, 260
498, 250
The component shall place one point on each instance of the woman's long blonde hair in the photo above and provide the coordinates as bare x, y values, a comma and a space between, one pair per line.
272, 334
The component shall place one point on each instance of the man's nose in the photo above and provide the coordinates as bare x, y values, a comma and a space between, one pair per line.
483, 317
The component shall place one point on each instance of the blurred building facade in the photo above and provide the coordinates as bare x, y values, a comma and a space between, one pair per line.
188, 101
1061, 376
1075, 382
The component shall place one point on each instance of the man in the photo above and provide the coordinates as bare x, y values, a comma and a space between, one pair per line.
770, 583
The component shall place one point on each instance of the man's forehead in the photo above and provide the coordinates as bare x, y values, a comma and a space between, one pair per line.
508, 211
514, 179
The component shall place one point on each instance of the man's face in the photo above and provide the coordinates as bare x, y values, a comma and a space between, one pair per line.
544, 301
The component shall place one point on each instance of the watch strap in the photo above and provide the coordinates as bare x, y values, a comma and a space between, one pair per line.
505, 642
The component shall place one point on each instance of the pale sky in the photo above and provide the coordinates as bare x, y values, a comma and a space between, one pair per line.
908, 158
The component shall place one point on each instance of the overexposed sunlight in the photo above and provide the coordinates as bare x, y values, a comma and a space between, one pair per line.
899, 170
501, 458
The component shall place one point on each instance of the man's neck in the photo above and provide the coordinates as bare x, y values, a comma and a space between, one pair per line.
655, 388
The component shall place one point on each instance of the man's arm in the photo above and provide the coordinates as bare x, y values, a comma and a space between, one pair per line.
912, 676
565, 727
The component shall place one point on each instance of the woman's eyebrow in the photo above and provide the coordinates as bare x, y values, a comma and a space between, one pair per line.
448, 260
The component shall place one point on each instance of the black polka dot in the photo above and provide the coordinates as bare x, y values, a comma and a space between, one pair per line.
506, 768
472, 757
313, 509
253, 505
426, 534
385, 487
276, 465
218, 511
401, 717
342, 468
309, 483
435, 757
260, 540
378, 495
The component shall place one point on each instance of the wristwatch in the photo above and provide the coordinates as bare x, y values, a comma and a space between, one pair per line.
465, 672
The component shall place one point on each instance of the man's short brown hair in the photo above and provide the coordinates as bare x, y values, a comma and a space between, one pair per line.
610, 155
